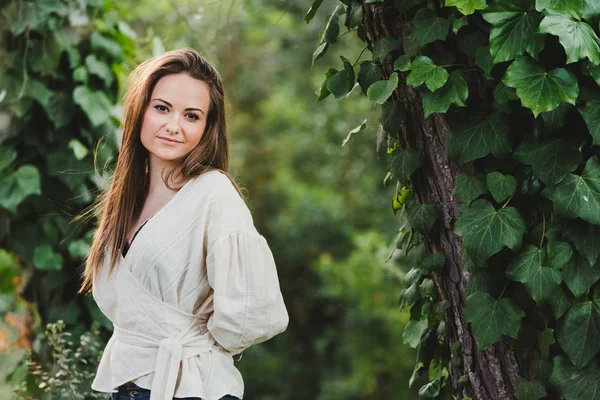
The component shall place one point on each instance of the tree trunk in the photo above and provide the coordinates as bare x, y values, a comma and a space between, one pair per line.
493, 372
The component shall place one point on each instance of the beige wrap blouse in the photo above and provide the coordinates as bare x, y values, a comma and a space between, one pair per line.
197, 286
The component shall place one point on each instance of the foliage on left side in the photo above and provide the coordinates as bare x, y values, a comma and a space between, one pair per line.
60, 66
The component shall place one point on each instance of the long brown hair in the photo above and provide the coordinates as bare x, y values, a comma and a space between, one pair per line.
119, 204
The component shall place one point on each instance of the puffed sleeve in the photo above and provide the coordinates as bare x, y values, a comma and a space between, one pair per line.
248, 304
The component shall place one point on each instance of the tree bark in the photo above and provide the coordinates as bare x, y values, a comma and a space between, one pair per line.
493, 372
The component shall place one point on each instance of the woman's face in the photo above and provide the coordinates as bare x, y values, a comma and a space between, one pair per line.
175, 119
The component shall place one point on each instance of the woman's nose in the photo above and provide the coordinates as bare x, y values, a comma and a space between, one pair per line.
173, 124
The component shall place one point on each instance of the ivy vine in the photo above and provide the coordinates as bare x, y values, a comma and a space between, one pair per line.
518, 82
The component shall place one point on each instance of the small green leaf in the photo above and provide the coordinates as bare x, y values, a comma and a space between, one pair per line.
108, 46
491, 318
503, 94
579, 332
501, 186
7, 156
551, 160
486, 231
434, 262
383, 46
483, 59
577, 37
403, 162
423, 70
392, 115
576, 383
540, 281
455, 91
78, 148
585, 237
380, 91
312, 11
579, 195
332, 28
354, 131
573, 8
527, 390
368, 73
413, 332
467, 7
514, 31
60, 109
430, 390
591, 115
402, 63
99, 68
45, 258
594, 71
478, 137
429, 27
540, 90
559, 254
560, 301
545, 340
94, 103
319, 52
339, 84
456, 23
580, 275
354, 15
468, 188
17, 186
422, 217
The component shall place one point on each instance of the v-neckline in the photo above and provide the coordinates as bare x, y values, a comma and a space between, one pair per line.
153, 216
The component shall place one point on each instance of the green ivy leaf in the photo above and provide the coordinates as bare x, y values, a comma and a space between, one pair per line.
17, 186
99, 68
559, 254
501, 186
580, 275
7, 156
576, 383
402, 63
106, 45
469, 187
368, 73
380, 91
95, 104
503, 94
591, 115
423, 70
551, 160
527, 390
422, 217
560, 301
540, 281
540, 90
392, 115
555, 119
339, 84
545, 340
354, 15
483, 59
35, 14
585, 237
428, 27
354, 131
467, 7
78, 148
569, 7
479, 137
383, 46
491, 318
579, 332
456, 23
455, 91
46, 259
514, 31
486, 231
577, 37
60, 109
413, 331
403, 162
579, 196
430, 390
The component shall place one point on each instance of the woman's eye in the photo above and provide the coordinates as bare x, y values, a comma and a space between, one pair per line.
160, 107
193, 117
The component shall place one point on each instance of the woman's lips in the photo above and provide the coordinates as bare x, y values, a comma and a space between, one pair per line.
168, 140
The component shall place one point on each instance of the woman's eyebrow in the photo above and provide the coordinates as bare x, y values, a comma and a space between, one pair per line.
170, 105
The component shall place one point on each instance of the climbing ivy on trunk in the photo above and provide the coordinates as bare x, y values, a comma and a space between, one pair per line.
490, 113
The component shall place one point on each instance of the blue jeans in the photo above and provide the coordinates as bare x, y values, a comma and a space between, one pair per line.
131, 391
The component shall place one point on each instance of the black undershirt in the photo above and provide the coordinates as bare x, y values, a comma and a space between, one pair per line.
127, 246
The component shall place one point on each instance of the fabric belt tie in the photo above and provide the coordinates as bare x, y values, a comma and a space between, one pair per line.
171, 351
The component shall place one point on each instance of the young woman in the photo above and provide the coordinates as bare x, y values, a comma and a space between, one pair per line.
180, 270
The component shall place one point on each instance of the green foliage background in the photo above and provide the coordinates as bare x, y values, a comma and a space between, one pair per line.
517, 81
63, 64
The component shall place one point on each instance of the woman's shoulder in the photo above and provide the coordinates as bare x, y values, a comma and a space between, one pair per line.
216, 182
